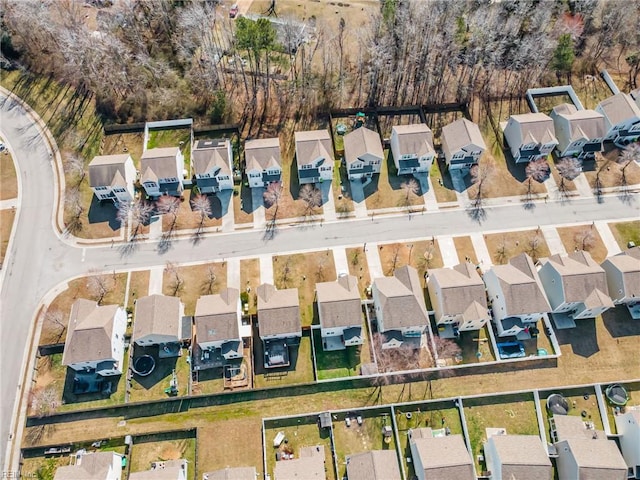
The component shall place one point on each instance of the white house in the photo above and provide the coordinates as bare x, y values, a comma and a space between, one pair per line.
575, 285
314, 155
458, 298
217, 319
95, 338
530, 136
439, 457
340, 312
628, 427
623, 279
111, 177
580, 133
92, 466
163, 470
158, 321
401, 313
517, 297
212, 164
412, 148
621, 118
373, 465
363, 153
511, 457
462, 144
263, 164
161, 171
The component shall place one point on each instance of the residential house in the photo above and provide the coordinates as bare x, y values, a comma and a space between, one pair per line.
212, 165
621, 118
94, 347
517, 457
623, 279
412, 148
278, 323
363, 153
158, 321
373, 465
92, 466
161, 172
163, 470
400, 309
218, 318
458, 298
263, 164
517, 297
530, 136
583, 452
314, 155
580, 133
628, 427
308, 466
232, 473
440, 457
462, 144
111, 177
340, 312
575, 285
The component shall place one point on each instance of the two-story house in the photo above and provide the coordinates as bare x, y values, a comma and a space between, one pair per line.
462, 144
439, 457
575, 285
161, 172
263, 164
621, 118
412, 148
314, 156
530, 136
373, 465
401, 313
158, 322
580, 133
92, 466
363, 154
217, 319
94, 346
211, 165
111, 177
340, 312
279, 323
623, 279
628, 427
458, 298
511, 457
517, 297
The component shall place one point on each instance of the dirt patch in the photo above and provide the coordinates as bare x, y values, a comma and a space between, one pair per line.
583, 237
8, 179
503, 247
249, 281
6, 225
359, 268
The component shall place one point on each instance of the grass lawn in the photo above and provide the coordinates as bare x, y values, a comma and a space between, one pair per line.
359, 268
138, 286
250, 278
6, 224
422, 255
633, 390
187, 219
242, 212
577, 404
385, 190
121, 143
143, 454
504, 247
444, 192
300, 370
152, 386
341, 363
474, 342
8, 178
172, 138
193, 281
464, 249
610, 172
625, 232
302, 271
583, 237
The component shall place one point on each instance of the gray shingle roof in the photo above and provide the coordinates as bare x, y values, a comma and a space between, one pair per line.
158, 163
444, 458
601, 455
237, 473
90, 466
311, 145
339, 303
619, 108
523, 457
211, 156
629, 266
373, 465
532, 128
462, 292
401, 299
414, 139
278, 311
108, 170
582, 124
360, 142
459, 134
216, 316
159, 315
262, 154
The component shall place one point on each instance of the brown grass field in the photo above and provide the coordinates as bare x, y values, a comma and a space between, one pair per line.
570, 237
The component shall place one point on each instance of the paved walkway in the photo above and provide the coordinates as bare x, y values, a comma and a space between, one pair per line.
582, 185
9, 203
448, 251
358, 198
328, 203
155, 227
551, 236
257, 205
266, 269
429, 197
233, 273
155, 280
607, 238
340, 260
373, 261
482, 253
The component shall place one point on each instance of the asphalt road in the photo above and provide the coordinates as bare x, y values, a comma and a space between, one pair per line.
40, 259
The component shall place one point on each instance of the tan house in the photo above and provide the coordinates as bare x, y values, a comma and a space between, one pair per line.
161, 171
462, 144
623, 279
412, 148
111, 177
158, 321
458, 298
92, 466
530, 136
308, 466
340, 312
212, 165
232, 473
621, 118
441, 457
373, 465
263, 164
314, 155
580, 133
521, 457
363, 154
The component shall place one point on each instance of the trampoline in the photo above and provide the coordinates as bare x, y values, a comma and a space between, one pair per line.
617, 395
557, 404
144, 365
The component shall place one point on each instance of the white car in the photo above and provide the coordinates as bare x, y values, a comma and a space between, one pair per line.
347, 421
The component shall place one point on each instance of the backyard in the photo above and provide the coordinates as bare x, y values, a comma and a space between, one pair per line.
121, 143
476, 346
156, 385
172, 137
582, 403
300, 370
341, 363
143, 454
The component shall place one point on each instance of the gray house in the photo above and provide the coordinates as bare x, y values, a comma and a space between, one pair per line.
623, 279
441, 457
211, 165
340, 312
314, 155
412, 148
580, 133
462, 144
161, 172
263, 164
363, 153
511, 457
621, 117
158, 321
530, 136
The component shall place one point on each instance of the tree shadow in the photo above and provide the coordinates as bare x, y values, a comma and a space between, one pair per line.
583, 338
103, 211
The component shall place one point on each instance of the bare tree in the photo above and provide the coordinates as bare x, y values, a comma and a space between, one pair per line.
480, 173
568, 168
73, 166
209, 280
285, 275
99, 285
138, 212
394, 258
169, 205
311, 196
585, 238
44, 400
502, 251
445, 348
537, 170
201, 205
410, 188
177, 282
54, 318
74, 209
533, 244
272, 196
320, 271
394, 359
630, 154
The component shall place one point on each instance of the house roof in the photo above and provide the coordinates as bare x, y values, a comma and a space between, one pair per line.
308, 466
459, 134
401, 299
158, 163
216, 316
373, 465
583, 279
522, 456
532, 128
569, 426
311, 145
360, 142
237, 473
619, 108
89, 332
414, 139
521, 286
444, 458
629, 266
90, 466
278, 311
587, 124
211, 156
108, 170
339, 302
463, 292
162, 470
600, 454
157, 315
262, 154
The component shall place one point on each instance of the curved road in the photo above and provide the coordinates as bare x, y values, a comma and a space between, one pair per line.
39, 259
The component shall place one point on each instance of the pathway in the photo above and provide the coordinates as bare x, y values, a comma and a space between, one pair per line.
328, 203
373, 261
582, 185
266, 269
340, 260
429, 196
10, 203
257, 205
155, 280
358, 198
607, 237
233, 273
448, 250
482, 253
554, 242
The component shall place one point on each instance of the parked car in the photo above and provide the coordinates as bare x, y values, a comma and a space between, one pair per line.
511, 350
347, 421
359, 419
233, 11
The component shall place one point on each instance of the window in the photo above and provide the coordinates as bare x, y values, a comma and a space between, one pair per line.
306, 166
224, 177
101, 188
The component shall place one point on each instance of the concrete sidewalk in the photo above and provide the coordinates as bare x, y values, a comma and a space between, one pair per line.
340, 260
266, 269
607, 238
448, 251
10, 203
582, 185
554, 242
373, 261
233, 273
156, 280
482, 253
